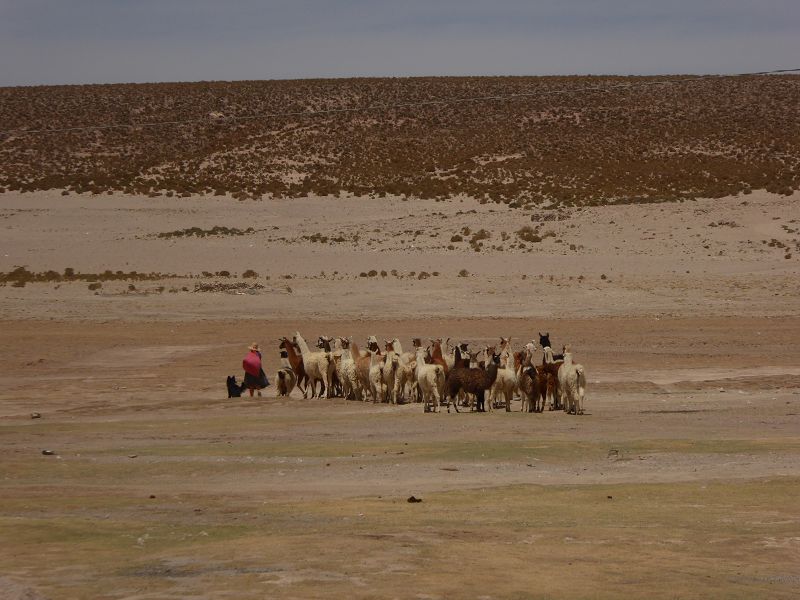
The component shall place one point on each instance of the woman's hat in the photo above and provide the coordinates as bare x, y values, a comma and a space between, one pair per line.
254, 347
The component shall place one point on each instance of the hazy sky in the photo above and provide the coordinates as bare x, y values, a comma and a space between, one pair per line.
109, 41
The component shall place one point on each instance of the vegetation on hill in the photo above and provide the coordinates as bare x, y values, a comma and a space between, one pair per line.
705, 138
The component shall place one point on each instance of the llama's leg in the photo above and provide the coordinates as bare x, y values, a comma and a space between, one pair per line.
396, 388
251, 391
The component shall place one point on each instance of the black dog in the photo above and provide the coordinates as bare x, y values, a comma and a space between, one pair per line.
234, 389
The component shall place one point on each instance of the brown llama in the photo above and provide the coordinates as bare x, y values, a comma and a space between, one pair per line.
436, 356
472, 381
550, 366
363, 364
530, 383
296, 362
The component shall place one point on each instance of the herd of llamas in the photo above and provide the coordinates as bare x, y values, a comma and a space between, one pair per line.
456, 376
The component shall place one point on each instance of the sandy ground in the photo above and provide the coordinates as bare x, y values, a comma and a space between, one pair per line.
680, 482
706, 257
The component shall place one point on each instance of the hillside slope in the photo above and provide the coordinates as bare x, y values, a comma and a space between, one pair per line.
572, 141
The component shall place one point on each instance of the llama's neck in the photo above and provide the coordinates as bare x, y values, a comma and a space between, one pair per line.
374, 359
420, 356
304, 349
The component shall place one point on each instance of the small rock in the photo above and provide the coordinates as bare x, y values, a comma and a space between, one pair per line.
48, 452
412, 499
609, 497
36, 416
152, 496
133, 455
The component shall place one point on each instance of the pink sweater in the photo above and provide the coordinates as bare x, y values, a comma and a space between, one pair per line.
252, 364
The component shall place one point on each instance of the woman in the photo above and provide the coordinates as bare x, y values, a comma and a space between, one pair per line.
254, 376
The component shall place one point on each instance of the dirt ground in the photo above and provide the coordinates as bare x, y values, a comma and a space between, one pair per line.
681, 481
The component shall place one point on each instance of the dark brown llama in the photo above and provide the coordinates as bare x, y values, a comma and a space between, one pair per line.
471, 381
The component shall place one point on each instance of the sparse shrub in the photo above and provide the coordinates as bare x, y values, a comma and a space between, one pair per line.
250, 274
95, 286
480, 235
528, 234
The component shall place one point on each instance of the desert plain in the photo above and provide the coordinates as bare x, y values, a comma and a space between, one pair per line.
122, 315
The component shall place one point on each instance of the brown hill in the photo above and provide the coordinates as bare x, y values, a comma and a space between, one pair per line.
573, 140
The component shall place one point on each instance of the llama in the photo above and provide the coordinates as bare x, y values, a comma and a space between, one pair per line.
377, 387
404, 375
406, 379
529, 383
463, 360
329, 344
346, 369
430, 379
295, 361
319, 367
390, 370
436, 355
450, 355
551, 367
362, 365
544, 342
506, 380
286, 382
474, 381
572, 383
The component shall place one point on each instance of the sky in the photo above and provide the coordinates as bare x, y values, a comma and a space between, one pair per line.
115, 41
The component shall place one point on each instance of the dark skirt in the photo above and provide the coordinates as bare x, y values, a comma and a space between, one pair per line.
256, 383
